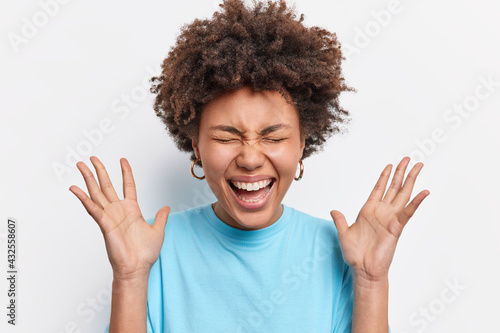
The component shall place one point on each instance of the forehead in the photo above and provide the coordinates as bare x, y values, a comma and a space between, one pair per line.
245, 108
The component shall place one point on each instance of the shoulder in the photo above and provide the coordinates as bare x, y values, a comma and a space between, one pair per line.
311, 225
184, 219
320, 235
310, 221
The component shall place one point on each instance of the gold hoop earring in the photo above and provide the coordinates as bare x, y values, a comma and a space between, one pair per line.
301, 171
192, 170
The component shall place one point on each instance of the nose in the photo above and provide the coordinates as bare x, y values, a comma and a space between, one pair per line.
250, 157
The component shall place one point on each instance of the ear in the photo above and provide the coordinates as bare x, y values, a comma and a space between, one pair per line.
194, 143
302, 145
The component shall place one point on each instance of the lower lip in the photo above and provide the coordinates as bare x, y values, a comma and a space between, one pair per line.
253, 205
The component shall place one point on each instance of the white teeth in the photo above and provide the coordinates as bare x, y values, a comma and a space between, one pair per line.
252, 186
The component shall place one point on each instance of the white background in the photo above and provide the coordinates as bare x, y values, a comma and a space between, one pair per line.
411, 62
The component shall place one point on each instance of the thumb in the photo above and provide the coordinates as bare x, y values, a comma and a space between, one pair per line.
161, 218
339, 220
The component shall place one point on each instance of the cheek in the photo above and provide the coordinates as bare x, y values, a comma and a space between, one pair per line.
285, 158
216, 160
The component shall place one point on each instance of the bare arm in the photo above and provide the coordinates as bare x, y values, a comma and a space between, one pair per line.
132, 244
128, 306
370, 313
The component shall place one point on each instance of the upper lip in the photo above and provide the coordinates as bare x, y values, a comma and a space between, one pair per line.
250, 179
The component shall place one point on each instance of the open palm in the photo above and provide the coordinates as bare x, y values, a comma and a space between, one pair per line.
133, 245
368, 245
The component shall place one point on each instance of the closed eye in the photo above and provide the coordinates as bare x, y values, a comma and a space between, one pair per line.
225, 140
275, 140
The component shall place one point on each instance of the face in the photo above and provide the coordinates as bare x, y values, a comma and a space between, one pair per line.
249, 144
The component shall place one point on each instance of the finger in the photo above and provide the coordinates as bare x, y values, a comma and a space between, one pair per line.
379, 189
409, 210
94, 191
404, 195
90, 206
128, 180
161, 218
340, 221
105, 183
397, 180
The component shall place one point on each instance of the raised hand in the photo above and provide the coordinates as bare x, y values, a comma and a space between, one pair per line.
368, 245
133, 245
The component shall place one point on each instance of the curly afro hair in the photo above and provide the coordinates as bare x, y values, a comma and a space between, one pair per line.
266, 47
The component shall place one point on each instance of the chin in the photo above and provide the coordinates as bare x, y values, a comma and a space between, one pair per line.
240, 217
256, 220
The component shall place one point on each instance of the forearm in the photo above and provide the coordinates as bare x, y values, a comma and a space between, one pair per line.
370, 313
129, 306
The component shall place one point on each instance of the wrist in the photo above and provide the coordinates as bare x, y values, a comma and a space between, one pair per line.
130, 288
131, 280
368, 282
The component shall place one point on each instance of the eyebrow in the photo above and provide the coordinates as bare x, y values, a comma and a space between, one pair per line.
236, 131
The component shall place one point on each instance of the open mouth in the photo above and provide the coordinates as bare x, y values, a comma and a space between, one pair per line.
251, 192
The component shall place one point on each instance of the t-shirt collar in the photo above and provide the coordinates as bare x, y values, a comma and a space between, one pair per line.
247, 235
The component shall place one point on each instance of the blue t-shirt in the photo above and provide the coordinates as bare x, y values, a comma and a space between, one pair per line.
288, 277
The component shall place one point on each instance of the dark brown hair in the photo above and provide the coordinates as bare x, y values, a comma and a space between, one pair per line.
266, 47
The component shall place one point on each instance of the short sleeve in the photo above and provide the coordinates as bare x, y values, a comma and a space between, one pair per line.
342, 318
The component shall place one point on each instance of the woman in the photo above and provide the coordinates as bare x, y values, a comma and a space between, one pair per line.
250, 93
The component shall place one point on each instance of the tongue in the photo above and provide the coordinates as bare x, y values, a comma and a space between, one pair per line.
251, 195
